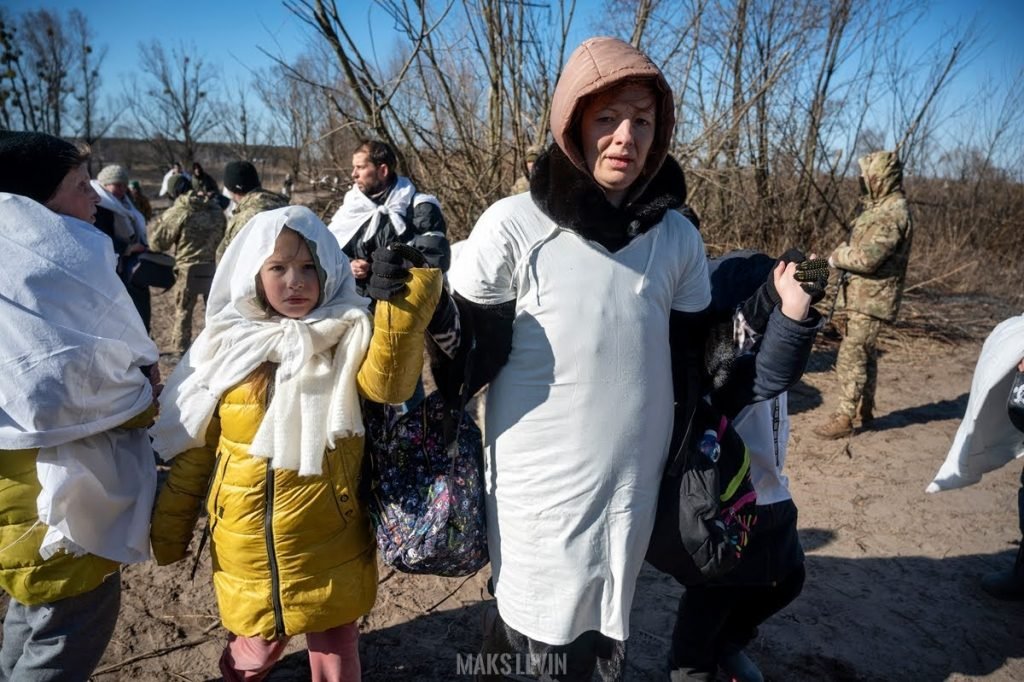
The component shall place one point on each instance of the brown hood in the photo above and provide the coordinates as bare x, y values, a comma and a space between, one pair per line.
596, 65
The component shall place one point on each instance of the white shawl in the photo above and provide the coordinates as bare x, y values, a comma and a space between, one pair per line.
357, 208
129, 224
986, 439
71, 348
315, 401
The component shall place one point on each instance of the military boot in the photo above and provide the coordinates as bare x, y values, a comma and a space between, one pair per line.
1007, 585
839, 426
866, 411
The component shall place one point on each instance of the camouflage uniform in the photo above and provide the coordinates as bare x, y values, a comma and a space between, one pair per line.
193, 226
256, 201
522, 184
876, 264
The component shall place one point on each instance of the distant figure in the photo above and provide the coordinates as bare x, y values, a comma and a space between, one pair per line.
384, 207
174, 170
140, 200
523, 183
118, 217
192, 227
202, 182
286, 186
875, 261
242, 183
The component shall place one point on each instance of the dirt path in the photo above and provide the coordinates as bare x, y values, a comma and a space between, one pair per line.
892, 574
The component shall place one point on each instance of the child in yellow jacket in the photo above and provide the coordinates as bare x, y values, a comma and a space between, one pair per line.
267, 404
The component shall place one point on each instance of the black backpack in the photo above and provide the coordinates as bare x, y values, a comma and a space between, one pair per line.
706, 504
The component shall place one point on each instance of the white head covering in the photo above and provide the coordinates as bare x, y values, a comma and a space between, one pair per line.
71, 348
315, 401
357, 210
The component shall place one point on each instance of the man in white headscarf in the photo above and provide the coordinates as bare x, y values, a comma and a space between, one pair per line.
383, 207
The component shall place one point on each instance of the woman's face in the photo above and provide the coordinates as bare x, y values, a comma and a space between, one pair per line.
617, 131
75, 196
289, 278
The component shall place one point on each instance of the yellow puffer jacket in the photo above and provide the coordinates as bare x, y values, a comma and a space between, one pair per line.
24, 574
291, 554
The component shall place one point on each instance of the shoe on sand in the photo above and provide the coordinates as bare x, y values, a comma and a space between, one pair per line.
839, 426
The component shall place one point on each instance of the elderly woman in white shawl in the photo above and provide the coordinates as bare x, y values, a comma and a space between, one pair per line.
262, 419
77, 474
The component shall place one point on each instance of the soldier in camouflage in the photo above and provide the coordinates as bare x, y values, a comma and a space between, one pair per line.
875, 261
192, 226
523, 183
243, 183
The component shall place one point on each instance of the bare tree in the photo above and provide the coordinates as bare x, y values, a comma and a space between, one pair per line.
292, 105
91, 124
239, 125
50, 55
173, 109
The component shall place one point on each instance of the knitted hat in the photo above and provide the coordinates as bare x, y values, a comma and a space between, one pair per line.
113, 175
240, 177
34, 164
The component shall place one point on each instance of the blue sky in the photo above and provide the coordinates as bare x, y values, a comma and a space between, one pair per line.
230, 33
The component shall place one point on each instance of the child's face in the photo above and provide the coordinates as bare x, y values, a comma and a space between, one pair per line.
289, 277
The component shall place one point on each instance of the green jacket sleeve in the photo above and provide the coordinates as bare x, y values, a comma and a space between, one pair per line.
164, 233
875, 240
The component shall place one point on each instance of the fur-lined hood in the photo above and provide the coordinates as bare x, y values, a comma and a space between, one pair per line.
574, 200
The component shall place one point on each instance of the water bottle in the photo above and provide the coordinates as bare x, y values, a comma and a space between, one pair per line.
709, 445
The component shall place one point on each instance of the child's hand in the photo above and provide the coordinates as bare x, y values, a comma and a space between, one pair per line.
360, 268
796, 302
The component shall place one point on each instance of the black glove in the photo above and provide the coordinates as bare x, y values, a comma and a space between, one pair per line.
389, 270
812, 275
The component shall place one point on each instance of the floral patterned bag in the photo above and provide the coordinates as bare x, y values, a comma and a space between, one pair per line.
425, 497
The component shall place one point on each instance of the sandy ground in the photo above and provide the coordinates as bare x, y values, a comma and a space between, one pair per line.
892, 573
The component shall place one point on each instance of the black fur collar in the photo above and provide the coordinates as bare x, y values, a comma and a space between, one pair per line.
575, 201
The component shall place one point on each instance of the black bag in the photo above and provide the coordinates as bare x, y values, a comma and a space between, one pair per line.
152, 269
1015, 403
706, 504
